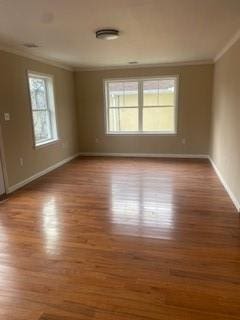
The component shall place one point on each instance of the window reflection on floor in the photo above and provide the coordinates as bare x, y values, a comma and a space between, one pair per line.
51, 226
3, 238
9, 273
139, 211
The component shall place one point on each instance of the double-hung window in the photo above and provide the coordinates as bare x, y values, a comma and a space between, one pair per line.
43, 108
141, 106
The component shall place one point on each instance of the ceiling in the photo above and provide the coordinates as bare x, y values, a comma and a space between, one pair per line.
152, 31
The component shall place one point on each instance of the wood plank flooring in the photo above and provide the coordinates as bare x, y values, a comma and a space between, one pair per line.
121, 239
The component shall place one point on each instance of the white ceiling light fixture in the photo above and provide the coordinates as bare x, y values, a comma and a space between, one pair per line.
30, 45
107, 34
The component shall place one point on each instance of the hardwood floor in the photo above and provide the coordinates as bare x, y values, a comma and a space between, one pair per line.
122, 239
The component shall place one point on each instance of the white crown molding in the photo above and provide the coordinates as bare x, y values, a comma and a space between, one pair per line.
138, 66
229, 44
36, 58
58, 64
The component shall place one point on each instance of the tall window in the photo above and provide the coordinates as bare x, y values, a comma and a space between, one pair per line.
43, 108
141, 105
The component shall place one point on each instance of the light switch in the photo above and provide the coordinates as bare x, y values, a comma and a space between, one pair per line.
6, 116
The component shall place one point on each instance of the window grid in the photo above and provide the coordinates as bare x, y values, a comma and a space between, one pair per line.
48, 119
141, 105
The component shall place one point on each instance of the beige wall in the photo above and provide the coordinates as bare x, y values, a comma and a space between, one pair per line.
225, 138
195, 93
17, 133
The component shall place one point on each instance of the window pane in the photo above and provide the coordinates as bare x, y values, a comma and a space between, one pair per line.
123, 94
38, 93
121, 119
159, 119
159, 92
42, 127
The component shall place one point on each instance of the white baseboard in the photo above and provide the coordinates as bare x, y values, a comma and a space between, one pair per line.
157, 155
59, 164
39, 174
144, 155
226, 186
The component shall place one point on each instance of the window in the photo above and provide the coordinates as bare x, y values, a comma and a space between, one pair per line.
141, 106
43, 108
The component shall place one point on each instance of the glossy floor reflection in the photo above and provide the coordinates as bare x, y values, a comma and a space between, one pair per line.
117, 238
50, 215
138, 205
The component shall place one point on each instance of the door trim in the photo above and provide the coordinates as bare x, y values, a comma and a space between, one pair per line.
3, 162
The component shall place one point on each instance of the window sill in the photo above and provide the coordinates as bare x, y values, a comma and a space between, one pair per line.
45, 143
141, 133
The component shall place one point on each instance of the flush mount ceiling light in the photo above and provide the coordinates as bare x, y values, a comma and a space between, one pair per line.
107, 34
30, 45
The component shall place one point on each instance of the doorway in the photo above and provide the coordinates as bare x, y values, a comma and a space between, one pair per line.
3, 176
2, 183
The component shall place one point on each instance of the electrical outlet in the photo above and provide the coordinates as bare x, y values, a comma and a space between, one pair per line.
64, 144
97, 140
6, 116
183, 141
21, 161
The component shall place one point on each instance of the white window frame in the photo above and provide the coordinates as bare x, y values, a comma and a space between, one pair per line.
140, 105
50, 96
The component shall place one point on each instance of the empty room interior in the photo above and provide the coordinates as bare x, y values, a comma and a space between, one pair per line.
120, 160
